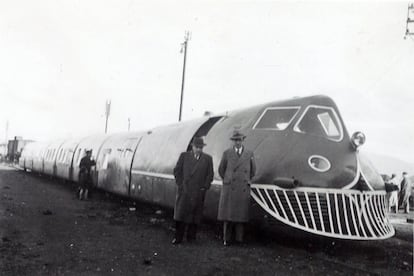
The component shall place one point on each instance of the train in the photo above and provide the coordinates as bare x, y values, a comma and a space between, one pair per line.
311, 174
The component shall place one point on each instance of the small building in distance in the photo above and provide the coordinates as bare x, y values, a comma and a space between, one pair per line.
15, 147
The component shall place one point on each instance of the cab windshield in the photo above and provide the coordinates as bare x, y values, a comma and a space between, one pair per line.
276, 118
320, 121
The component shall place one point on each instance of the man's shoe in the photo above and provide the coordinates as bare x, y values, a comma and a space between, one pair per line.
226, 243
175, 241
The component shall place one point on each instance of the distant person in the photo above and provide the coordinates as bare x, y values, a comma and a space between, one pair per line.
85, 177
237, 168
17, 157
393, 200
193, 175
405, 193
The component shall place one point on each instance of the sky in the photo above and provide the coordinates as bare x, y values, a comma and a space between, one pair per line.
61, 60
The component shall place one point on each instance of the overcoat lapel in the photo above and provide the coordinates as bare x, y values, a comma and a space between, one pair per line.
195, 163
240, 159
233, 157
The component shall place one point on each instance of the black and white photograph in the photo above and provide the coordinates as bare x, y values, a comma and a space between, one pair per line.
233, 137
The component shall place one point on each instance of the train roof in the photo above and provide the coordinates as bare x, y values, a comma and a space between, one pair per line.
295, 101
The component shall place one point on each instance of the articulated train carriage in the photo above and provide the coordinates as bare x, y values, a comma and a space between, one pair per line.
310, 174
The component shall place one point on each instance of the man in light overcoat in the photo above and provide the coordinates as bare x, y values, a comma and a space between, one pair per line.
405, 193
393, 200
237, 168
193, 175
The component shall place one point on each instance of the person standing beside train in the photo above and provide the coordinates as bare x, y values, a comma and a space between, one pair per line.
393, 200
405, 193
85, 177
193, 175
237, 168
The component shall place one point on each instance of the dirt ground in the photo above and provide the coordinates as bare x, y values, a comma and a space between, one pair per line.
45, 230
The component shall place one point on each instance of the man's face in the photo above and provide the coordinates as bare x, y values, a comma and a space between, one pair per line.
197, 150
238, 143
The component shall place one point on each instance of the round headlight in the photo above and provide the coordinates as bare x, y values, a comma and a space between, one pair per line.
358, 139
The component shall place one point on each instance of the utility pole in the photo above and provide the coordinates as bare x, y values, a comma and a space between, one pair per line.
129, 123
107, 112
409, 29
7, 134
7, 130
183, 48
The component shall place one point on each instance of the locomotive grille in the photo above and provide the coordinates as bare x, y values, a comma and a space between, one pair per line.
345, 214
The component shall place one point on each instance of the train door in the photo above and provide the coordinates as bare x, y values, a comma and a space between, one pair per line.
127, 156
114, 165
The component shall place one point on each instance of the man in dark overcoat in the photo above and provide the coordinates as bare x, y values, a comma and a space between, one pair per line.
237, 168
193, 175
85, 177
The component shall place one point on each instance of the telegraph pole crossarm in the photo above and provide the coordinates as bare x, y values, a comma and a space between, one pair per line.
409, 29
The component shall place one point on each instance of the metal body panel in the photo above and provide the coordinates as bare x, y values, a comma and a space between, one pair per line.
65, 159
160, 147
49, 161
158, 152
113, 164
39, 153
372, 178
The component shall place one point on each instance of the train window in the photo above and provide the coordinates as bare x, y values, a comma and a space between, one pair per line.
276, 118
320, 121
68, 156
59, 155
63, 155
106, 153
328, 124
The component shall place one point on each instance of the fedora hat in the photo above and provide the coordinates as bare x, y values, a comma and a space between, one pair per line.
198, 142
237, 135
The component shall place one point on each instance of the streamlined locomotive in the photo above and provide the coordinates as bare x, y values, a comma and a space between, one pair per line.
310, 173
